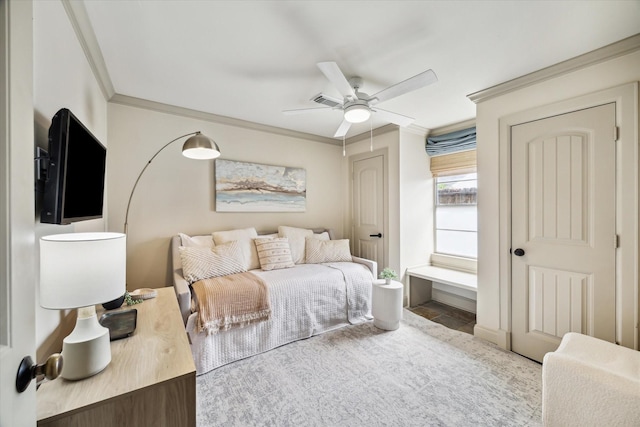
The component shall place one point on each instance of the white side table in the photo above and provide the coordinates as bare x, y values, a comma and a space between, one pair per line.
386, 303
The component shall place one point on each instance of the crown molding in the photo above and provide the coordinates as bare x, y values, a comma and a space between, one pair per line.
417, 130
81, 24
453, 127
376, 132
611, 51
214, 118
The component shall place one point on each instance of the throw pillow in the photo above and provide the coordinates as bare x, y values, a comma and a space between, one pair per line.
244, 237
321, 236
269, 236
318, 251
205, 241
199, 262
274, 253
296, 238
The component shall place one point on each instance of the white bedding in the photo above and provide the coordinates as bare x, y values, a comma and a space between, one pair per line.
306, 300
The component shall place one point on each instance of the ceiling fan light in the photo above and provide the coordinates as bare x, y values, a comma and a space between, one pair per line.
357, 113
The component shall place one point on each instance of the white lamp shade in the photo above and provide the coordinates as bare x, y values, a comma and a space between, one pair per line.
82, 269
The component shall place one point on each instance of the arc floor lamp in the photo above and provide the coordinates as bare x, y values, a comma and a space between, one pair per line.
198, 146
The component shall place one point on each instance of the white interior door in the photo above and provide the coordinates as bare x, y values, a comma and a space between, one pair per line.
368, 208
563, 229
17, 277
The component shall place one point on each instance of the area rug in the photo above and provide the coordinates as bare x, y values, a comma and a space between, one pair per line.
422, 374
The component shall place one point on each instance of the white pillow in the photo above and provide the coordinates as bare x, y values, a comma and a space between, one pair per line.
268, 236
318, 251
206, 241
199, 262
274, 253
244, 237
321, 236
296, 238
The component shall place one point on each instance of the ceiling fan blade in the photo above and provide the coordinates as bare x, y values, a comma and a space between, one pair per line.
335, 76
394, 118
416, 82
342, 129
305, 110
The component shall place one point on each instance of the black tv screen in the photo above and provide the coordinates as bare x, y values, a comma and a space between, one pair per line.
74, 187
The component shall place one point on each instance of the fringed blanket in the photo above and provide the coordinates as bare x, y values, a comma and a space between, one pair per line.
232, 301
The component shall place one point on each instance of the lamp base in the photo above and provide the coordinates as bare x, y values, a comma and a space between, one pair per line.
87, 350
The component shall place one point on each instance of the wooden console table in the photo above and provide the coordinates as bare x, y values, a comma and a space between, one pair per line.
151, 380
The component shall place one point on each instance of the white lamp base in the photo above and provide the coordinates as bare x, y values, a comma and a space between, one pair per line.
87, 350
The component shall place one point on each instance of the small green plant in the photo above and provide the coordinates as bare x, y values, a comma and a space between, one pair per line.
129, 300
388, 273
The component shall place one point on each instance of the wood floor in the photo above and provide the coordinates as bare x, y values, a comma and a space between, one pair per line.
448, 316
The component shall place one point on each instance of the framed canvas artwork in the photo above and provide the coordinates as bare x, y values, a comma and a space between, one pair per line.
254, 187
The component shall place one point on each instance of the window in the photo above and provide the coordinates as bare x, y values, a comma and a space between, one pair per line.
456, 218
453, 166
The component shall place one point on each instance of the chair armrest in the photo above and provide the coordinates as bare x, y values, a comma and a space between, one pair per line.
180, 284
371, 265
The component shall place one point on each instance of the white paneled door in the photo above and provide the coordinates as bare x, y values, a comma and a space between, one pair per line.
17, 277
368, 208
563, 229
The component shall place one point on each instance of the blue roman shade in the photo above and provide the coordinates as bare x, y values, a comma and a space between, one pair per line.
461, 140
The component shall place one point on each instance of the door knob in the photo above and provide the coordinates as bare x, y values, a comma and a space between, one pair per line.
376, 235
29, 370
518, 252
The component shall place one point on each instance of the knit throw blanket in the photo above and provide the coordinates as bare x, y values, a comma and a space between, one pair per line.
232, 301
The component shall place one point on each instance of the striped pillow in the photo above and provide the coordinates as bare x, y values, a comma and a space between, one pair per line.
274, 253
319, 251
200, 262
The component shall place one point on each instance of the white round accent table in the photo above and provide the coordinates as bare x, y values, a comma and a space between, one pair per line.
386, 301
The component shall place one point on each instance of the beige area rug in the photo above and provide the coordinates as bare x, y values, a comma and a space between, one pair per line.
422, 374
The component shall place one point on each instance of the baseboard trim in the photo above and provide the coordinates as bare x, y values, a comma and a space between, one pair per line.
497, 336
453, 300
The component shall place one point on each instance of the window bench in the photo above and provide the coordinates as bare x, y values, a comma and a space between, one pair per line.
463, 286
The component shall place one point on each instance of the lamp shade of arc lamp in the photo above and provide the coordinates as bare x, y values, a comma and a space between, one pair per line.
80, 270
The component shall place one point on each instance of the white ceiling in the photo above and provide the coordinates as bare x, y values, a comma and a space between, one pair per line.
250, 60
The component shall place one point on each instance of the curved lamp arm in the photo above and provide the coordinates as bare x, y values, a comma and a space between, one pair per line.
133, 190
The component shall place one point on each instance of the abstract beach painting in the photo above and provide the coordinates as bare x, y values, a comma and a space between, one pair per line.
254, 187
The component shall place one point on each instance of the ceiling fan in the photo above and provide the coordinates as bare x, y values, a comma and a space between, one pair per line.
359, 106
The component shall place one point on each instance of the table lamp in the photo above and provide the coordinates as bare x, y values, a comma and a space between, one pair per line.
80, 270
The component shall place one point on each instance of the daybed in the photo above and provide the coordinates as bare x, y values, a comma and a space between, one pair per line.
306, 298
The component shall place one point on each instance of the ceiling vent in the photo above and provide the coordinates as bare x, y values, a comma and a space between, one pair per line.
326, 100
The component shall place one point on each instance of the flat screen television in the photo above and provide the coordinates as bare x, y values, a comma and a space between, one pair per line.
74, 186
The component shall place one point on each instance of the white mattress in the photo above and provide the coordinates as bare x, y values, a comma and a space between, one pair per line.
306, 300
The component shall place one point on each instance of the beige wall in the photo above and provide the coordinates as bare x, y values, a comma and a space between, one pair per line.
177, 194
61, 78
416, 201
493, 306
